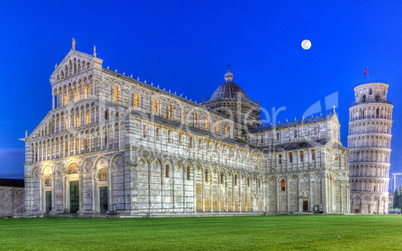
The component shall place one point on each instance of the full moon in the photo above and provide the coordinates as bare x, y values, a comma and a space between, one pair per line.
306, 44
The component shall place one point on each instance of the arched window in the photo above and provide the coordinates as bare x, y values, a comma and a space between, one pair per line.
222, 177
170, 111
370, 91
116, 93
278, 136
217, 127
206, 175
236, 177
75, 96
301, 156
377, 113
364, 98
291, 157
167, 171
64, 99
136, 100
295, 133
87, 118
206, 123
280, 158
313, 154
155, 105
377, 97
188, 173
85, 92
226, 129
77, 121
283, 185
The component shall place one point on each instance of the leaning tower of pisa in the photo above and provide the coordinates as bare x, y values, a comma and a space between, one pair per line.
369, 141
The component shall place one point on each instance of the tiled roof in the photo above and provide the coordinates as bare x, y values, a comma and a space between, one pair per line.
307, 144
193, 130
11, 183
292, 123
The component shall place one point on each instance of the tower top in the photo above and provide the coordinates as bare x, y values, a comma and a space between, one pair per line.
73, 44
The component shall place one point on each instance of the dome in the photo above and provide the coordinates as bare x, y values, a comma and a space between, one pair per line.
228, 90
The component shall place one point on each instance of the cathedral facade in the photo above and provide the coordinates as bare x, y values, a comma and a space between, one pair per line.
115, 145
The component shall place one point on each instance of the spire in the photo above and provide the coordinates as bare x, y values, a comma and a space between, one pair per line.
95, 53
73, 44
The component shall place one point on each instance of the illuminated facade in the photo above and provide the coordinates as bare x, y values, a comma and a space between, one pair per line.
370, 122
112, 143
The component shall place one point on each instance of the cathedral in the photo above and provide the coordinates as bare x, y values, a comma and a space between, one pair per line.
116, 145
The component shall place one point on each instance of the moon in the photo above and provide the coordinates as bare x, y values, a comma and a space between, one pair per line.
306, 44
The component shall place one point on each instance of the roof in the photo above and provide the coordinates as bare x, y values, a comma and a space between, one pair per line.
228, 90
292, 123
194, 130
306, 144
11, 183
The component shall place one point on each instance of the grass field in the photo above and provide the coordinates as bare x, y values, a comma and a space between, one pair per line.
373, 232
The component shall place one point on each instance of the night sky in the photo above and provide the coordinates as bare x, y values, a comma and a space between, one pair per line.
185, 46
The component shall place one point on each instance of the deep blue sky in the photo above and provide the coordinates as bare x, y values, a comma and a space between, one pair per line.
186, 45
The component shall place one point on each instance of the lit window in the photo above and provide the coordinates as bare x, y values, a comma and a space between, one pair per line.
85, 92
116, 93
206, 123
155, 105
77, 121
77, 144
64, 99
75, 96
87, 118
170, 111
136, 100
226, 129
283, 185
66, 124
217, 127
87, 144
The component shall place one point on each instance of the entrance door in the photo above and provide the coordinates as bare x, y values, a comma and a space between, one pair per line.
48, 201
305, 206
74, 197
103, 199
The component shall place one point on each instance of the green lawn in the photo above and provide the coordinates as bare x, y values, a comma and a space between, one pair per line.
321, 232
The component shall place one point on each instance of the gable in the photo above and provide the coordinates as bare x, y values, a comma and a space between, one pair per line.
75, 62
